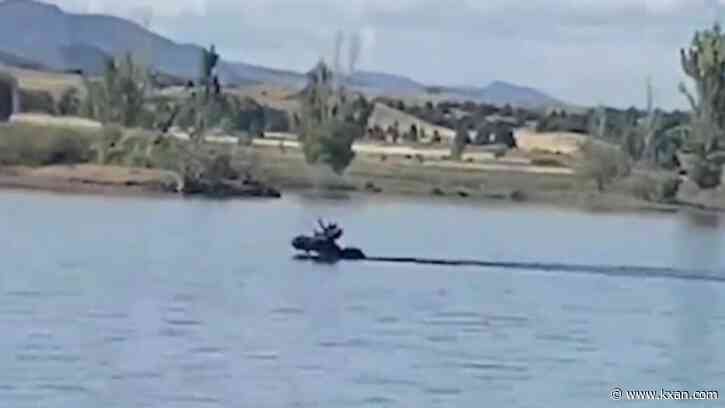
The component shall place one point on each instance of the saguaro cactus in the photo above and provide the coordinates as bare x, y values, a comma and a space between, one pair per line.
704, 63
202, 98
208, 63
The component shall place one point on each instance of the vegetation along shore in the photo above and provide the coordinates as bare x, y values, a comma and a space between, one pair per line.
132, 128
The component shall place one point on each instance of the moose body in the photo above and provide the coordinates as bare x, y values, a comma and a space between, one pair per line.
323, 244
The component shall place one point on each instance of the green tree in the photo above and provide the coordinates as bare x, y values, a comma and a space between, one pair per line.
119, 96
69, 103
326, 138
459, 142
204, 101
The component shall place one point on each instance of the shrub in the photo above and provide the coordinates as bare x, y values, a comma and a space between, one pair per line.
655, 187
547, 162
221, 168
69, 103
66, 148
706, 174
330, 143
27, 145
459, 143
518, 196
602, 163
37, 102
107, 147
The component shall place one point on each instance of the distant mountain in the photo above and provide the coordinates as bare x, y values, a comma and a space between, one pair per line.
257, 73
88, 58
12, 60
502, 93
388, 82
64, 41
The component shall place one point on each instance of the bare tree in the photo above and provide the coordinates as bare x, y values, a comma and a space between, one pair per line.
354, 52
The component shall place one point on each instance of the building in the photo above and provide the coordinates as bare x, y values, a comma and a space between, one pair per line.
9, 96
396, 124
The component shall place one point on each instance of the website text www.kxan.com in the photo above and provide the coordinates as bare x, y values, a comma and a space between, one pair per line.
620, 394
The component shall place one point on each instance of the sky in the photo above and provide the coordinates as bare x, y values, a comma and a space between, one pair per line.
584, 52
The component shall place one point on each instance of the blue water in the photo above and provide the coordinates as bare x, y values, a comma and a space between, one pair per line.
132, 302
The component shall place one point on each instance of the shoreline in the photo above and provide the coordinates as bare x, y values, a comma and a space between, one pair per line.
81, 180
84, 179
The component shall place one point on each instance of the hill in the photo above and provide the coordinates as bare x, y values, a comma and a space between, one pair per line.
392, 84
88, 58
502, 93
15, 61
58, 40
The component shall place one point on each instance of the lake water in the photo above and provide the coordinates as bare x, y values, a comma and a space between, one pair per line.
132, 302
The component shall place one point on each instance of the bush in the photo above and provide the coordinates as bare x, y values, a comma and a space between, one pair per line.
137, 148
655, 187
106, 147
66, 148
459, 143
37, 102
706, 174
221, 168
518, 196
27, 145
69, 103
330, 144
602, 163
547, 162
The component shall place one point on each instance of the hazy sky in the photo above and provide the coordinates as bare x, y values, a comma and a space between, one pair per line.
582, 51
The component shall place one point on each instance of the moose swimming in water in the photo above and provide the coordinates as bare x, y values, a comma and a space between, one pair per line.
322, 244
322, 247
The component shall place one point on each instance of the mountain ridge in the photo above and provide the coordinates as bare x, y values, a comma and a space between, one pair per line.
69, 41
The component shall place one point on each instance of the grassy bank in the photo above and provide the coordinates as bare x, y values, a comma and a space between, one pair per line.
66, 159
30, 145
400, 176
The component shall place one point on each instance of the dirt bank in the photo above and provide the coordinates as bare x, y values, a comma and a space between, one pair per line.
86, 179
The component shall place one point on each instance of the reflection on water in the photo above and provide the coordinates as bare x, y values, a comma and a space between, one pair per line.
132, 302
700, 219
699, 239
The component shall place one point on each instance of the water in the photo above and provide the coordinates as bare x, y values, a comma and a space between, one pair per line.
172, 303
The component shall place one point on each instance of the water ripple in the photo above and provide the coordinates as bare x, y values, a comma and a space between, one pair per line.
378, 400
442, 339
442, 391
384, 381
288, 311
24, 293
560, 338
458, 315
479, 366
59, 358
349, 343
263, 355
196, 399
207, 350
456, 322
65, 388
137, 375
107, 315
182, 322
